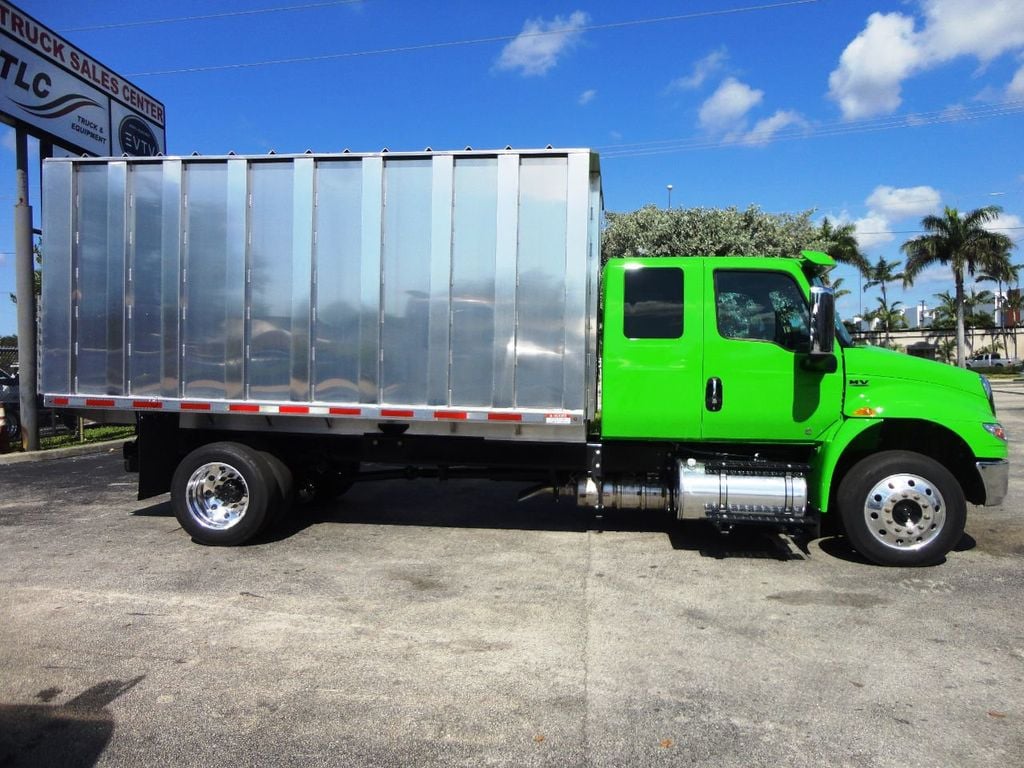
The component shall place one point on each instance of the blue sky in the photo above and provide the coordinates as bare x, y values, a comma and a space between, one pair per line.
876, 112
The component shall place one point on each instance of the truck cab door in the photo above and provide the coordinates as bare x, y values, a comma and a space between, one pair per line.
651, 352
759, 383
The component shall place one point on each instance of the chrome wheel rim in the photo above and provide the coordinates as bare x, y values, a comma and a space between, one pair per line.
904, 512
217, 496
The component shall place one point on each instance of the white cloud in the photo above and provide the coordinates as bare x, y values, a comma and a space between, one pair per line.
765, 130
701, 71
871, 69
887, 205
727, 107
1016, 87
538, 47
891, 48
984, 30
586, 97
900, 203
873, 229
1009, 224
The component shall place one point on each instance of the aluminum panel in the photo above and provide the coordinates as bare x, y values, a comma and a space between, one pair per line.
439, 284
339, 219
214, 284
99, 289
574, 345
55, 337
595, 218
474, 258
370, 287
153, 283
506, 282
406, 281
172, 260
274, 270
540, 300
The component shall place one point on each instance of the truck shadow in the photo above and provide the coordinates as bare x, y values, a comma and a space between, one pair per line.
70, 735
493, 506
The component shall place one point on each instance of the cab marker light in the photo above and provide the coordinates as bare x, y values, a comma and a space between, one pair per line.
865, 411
995, 429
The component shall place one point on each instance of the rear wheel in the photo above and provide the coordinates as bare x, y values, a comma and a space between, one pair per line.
902, 508
223, 493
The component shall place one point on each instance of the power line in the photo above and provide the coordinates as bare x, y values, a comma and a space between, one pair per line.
836, 128
476, 41
209, 16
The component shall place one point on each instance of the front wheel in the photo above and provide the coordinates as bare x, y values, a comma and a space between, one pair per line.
902, 508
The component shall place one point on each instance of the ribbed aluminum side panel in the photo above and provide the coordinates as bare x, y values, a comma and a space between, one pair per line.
55, 305
451, 280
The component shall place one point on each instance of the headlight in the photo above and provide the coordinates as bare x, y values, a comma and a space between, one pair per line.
987, 386
995, 430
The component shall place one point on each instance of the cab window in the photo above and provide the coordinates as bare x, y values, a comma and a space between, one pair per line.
761, 306
653, 307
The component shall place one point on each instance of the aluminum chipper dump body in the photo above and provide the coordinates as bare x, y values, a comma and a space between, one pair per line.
287, 303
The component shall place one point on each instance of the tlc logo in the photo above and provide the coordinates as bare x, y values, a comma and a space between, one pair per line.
40, 84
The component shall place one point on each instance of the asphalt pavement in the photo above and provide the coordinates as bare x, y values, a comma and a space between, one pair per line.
420, 624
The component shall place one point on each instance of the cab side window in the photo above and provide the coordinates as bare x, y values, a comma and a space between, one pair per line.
761, 306
653, 307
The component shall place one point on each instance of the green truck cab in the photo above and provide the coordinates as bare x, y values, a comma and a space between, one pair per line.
722, 359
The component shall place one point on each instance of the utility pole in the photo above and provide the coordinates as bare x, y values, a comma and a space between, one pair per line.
25, 289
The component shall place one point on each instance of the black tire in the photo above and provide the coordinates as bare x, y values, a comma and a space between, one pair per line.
284, 482
233, 500
12, 426
901, 508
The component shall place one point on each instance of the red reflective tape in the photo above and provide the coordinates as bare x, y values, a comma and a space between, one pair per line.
451, 415
244, 408
61, 400
346, 411
504, 417
393, 414
195, 406
294, 409
98, 403
147, 404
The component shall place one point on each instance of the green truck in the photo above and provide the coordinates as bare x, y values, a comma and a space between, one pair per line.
281, 327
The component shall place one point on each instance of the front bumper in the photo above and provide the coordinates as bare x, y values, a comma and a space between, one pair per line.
995, 477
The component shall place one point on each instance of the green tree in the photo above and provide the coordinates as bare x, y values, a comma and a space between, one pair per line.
881, 274
841, 244
960, 242
653, 231
887, 318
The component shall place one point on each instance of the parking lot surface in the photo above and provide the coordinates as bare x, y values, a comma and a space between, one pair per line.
418, 624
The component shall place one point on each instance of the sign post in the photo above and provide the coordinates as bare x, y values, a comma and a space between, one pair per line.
56, 92
25, 287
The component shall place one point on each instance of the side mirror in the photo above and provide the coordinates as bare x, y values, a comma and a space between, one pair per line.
823, 321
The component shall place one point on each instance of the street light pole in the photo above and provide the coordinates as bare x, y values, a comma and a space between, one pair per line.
669, 188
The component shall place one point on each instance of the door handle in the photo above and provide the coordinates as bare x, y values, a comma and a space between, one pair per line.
713, 394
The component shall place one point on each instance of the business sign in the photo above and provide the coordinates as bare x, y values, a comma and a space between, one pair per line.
55, 90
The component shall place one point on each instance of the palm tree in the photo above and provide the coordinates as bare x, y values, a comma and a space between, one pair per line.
999, 272
881, 274
843, 245
961, 242
889, 316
